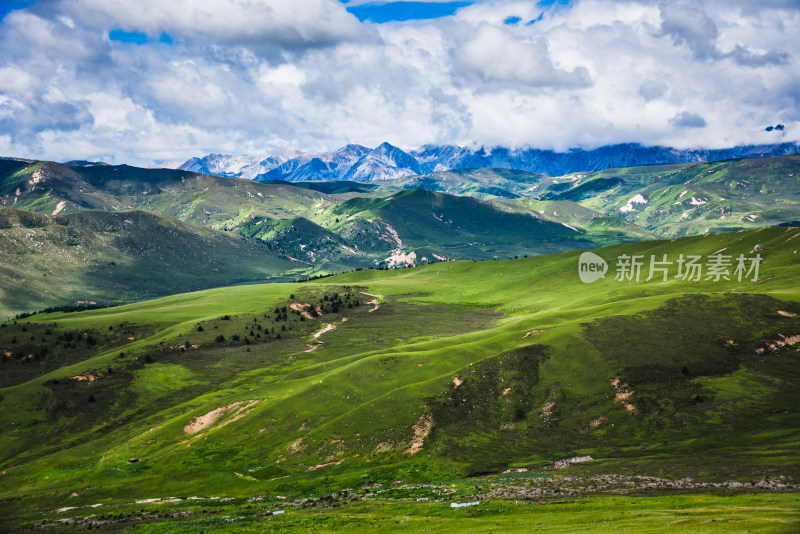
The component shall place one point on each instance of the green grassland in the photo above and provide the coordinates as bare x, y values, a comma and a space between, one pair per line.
319, 228
477, 183
682, 199
331, 227
111, 258
691, 199
378, 397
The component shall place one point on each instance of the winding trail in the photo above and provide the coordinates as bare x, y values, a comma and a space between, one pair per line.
374, 301
328, 327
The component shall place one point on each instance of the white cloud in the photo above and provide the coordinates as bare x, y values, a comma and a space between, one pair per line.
685, 119
260, 77
258, 24
495, 54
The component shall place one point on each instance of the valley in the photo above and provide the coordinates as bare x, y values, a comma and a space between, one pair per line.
297, 230
456, 357
463, 381
473, 266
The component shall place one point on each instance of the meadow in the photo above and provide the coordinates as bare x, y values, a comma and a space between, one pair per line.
378, 397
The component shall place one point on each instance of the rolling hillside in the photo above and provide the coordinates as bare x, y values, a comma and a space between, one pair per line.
682, 200
112, 258
437, 225
340, 225
211, 201
479, 183
311, 228
392, 393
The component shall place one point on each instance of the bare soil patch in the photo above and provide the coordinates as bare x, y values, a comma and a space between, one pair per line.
421, 431
236, 411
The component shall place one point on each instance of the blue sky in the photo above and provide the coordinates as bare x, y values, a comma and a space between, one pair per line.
146, 81
381, 12
7, 6
404, 11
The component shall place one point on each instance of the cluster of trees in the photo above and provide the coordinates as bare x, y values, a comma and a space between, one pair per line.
333, 302
24, 345
66, 309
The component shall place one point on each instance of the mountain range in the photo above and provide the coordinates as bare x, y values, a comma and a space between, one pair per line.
385, 396
294, 230
359, 163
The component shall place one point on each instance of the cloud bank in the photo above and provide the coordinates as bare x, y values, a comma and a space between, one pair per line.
269, 77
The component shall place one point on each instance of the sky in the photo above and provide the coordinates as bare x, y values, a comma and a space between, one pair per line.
148, 81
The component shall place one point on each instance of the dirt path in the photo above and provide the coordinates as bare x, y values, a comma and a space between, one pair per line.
318, 466
532, 333
328, 327
421, 431
303, 309
374, 301
237, 410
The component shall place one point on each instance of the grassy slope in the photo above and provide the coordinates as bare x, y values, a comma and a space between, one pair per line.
456, 227
604, 230
683, 199
118, 257
705, 403
210, 201
686, 199
478, 183
341, 225
693, 199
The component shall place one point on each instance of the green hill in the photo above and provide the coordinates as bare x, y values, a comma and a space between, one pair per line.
667, 200
341, 225
447, 382
603, 229
219, 203
439, 225
681, 200
478, 183
119, 257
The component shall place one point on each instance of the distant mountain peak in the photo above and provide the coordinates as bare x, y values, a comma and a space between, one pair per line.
359, 163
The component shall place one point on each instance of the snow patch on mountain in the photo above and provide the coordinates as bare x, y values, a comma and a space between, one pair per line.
231, 166
317, 166
167, 165
357, 162
383, 163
